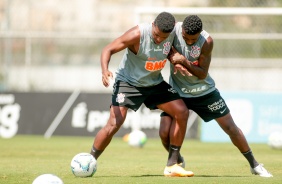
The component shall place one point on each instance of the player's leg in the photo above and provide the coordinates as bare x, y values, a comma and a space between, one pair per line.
236, 135
179, 113
165, 98
164, 130
124, 96
105, 135
165, 125
212, 106
238, 139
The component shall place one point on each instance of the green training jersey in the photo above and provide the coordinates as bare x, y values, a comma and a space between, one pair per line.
144, 68
190, 86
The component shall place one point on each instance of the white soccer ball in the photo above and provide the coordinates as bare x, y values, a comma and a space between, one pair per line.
47, 179
275, 140
83, 165
137, 138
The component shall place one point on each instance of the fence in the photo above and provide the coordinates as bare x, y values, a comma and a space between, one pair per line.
246, 54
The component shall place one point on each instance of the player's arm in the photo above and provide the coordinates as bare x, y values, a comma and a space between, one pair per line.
129, 39
181, 69
201, 69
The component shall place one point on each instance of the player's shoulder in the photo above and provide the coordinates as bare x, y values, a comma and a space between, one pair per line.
208, 44
131, 36
178, 25
207, 36
144, 26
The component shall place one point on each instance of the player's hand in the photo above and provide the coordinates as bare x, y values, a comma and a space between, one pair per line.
107, 77
175, 57
182, 70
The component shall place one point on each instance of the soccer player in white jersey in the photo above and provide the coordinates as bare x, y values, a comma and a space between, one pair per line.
190, 60
139, 80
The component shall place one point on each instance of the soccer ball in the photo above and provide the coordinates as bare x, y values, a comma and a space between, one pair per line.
137, 138
275, 140
83, 165
47, 179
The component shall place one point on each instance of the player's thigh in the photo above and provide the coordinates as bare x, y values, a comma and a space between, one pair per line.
164, 97
118, 114
126, 95
208, 107
174, 108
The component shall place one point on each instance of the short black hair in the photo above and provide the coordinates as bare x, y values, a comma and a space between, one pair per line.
165, 22
192, 25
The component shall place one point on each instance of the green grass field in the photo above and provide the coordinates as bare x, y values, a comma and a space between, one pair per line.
23, 158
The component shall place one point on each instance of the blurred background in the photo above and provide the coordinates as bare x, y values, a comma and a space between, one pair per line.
53, 46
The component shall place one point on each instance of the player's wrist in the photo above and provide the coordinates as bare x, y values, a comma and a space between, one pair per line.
184, 61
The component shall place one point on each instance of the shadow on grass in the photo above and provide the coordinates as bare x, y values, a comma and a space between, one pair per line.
160, 175
137, 176
219, 176
196, 176
148, 175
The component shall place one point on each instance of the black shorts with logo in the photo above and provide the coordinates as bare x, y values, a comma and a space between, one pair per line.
132, 97
208, 107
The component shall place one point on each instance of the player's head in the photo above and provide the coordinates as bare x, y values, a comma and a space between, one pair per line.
191, 29
192, 25
165, 22
162, 26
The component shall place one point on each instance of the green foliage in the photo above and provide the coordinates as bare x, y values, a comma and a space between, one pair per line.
23, 158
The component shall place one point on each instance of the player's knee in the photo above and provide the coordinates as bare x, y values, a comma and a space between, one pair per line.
111, 129
114, 125
183, 113
232, 131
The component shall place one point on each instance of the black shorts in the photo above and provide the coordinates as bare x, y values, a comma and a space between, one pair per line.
208, 107
132, 97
